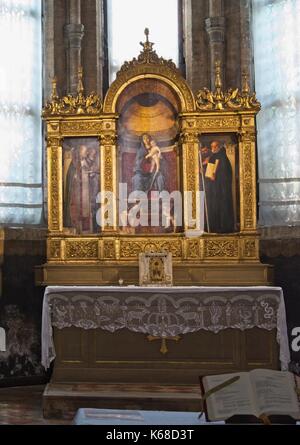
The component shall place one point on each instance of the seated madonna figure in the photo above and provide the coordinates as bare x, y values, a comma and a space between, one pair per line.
149, 166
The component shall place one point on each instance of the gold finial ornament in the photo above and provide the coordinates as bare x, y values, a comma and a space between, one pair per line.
245, 84
233, 99
147, 56
80, 87
54, 94
148, 46
70, 104
218, 79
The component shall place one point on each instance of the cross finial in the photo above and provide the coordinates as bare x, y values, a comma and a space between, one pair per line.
148, 46
147, 34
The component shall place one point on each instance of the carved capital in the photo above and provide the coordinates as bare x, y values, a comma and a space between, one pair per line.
74, 34
215, 27
108, 138
53, 141
189, 137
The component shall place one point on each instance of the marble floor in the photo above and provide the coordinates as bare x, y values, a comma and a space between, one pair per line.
23, 406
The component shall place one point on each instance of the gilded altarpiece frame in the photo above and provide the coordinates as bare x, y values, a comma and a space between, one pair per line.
111, 255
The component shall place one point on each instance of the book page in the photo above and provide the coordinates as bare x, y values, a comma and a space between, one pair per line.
232, 400
275, 392
210, 170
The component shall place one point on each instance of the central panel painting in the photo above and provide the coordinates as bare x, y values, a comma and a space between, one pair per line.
148, 153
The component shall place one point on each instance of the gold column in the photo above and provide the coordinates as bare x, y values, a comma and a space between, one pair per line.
248, 178
190, 147
54, 163
109, 168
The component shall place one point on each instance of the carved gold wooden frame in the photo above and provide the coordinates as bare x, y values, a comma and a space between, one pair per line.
206, 112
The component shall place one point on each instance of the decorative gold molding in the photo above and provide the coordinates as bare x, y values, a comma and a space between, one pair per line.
221, 249
149, 65
72, 105
131, 249
85, 249
147, 56
218, 112
218, 123
54, 184
81, 128
233, 99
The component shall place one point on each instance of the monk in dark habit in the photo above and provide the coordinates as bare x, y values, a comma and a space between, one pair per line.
218, 185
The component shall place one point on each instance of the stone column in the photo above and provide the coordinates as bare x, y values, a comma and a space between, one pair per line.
74, 32
247, 66
195, 50
215, 27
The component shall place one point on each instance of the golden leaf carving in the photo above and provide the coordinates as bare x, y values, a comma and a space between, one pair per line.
233, 99
147, 56
78, 104
221, 248
55, 250
82, 249
109, 249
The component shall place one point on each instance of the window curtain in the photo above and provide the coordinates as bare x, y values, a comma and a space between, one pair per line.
126, 23
20, 108
276, 32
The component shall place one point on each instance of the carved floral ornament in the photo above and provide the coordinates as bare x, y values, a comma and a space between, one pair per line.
147, 56
206, 100
70, 104
232, 99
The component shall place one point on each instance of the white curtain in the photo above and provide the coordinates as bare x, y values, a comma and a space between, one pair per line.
126, 23
20, 109
276, 30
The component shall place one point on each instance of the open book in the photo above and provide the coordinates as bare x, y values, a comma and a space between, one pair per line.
256, 393
211, 170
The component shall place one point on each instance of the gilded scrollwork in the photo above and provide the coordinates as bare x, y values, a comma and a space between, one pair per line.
54, 198
248, 197
221, 249
82, 250
148, 62
250, 248
147, 56
193, 249
109, 249
232, 99
131, 249
219, 123
108, 162
108, 138
81, 127
72, 104
55, 249
216, 112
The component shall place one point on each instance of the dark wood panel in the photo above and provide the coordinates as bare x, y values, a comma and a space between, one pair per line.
124, 356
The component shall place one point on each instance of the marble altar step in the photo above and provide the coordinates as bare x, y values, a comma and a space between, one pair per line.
62, 400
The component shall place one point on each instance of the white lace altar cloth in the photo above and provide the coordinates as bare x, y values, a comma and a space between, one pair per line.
163, 312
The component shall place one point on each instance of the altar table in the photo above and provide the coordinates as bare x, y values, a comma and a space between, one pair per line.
144, 348
163, 312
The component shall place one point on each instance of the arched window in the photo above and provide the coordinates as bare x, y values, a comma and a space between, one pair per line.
126, 23
20, 108
276, 30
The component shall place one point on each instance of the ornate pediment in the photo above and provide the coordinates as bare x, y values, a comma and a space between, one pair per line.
146, 57
232, 99
78, 104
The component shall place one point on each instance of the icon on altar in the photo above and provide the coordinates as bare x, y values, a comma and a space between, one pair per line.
155, 269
